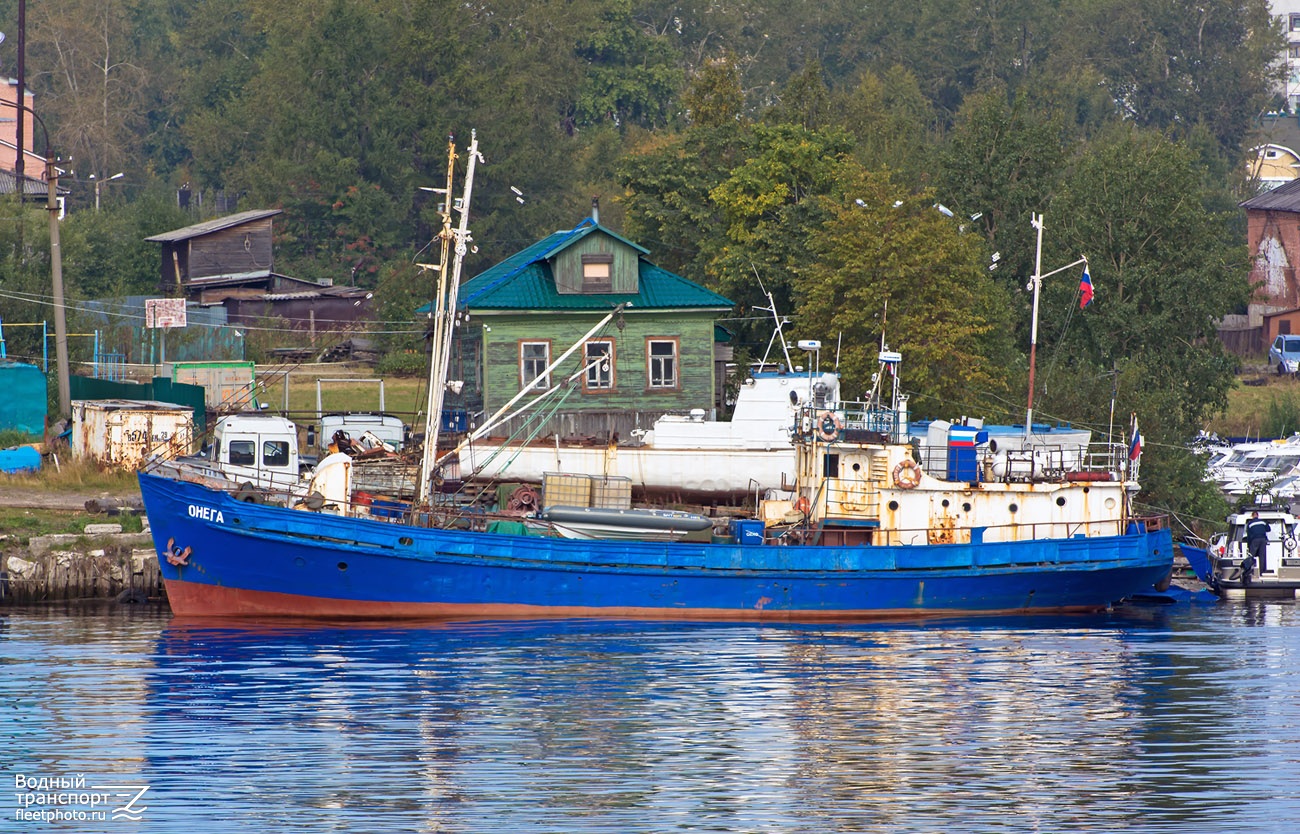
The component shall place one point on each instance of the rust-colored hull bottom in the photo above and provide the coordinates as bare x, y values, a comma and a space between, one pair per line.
192, 599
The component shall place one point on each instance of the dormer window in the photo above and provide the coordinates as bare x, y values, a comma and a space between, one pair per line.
598, 273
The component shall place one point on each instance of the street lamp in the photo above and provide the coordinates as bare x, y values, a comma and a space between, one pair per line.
116, 176
56, 258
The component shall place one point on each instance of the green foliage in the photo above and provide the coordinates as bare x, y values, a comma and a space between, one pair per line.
1001, 163
14, 437
890, 120
732, 140
403, 363
888, 268
1136, 204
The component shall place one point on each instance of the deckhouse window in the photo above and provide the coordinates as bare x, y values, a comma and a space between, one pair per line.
243, 453
599, 360
275, 453
598, 273
661, 358
533, 359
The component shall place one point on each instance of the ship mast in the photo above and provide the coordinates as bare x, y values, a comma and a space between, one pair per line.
454, 244
1035, 284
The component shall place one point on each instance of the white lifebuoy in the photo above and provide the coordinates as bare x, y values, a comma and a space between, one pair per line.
829, 426
907, 474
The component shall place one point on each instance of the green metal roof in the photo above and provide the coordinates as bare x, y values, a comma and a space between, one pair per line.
524, 281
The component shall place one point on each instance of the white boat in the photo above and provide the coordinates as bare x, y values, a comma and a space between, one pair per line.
748, 455
1255, 468
633, 524
1234, 574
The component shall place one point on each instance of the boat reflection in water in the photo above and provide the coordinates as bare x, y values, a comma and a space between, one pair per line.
1038, 724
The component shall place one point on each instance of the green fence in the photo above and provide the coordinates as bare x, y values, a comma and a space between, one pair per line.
161, 389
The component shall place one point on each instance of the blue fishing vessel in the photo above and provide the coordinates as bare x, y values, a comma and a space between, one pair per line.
866, 533
870, 528
224, 557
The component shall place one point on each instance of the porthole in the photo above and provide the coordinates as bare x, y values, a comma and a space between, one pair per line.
343, 565
893, 506
945, 503
965, 507
1060, 501
1014, 507
1110, 503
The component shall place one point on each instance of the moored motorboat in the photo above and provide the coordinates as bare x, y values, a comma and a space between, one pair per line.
1234, 572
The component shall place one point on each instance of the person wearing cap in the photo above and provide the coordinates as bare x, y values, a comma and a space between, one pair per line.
1256, 543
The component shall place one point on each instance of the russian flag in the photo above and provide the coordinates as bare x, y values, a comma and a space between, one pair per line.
1085, 288
1135, 445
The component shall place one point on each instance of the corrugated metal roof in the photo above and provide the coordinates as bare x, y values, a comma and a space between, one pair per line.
533, 288
32, 186
1283, 198
524, 281
207, 227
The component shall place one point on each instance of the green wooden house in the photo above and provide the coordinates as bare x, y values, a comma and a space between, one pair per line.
662, 351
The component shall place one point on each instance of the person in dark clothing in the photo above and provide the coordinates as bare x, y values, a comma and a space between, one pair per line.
1257, 541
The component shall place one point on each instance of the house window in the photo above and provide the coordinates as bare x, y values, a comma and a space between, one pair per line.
1295, 23
598, 273
600, 374
661, 360
1284, 327
1293, 50
534, 357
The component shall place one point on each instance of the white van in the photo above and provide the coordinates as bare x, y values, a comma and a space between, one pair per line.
256, 448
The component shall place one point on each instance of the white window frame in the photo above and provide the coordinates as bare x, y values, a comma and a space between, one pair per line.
654, 364
528, 374
598, 378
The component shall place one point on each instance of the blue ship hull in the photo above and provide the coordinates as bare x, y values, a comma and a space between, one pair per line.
223, 557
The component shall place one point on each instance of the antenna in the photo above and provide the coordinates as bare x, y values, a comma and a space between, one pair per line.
780, 321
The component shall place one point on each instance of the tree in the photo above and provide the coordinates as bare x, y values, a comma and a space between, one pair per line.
891, 122
1166, 265
1171, 66
887, 267
1001, 162
83, 53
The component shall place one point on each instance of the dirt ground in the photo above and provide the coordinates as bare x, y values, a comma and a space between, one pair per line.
40, 500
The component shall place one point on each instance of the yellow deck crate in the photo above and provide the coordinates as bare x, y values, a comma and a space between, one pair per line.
611, 492
561, 490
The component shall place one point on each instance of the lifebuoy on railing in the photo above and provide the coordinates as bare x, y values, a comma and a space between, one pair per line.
829, 426
907, 474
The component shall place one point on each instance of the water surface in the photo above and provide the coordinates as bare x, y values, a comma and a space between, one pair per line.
1180, 719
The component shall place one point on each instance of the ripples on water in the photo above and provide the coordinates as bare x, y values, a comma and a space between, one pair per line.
1169, 720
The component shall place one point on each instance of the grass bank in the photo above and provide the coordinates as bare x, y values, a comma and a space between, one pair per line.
21, 524
1260, 405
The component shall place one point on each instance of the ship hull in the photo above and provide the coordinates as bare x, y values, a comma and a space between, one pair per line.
240, 559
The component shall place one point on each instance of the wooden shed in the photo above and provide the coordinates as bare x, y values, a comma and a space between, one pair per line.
229, 251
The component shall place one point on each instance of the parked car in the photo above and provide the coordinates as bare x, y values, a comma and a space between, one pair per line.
1284, 354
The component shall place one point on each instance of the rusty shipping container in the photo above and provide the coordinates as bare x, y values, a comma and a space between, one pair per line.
126, 433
